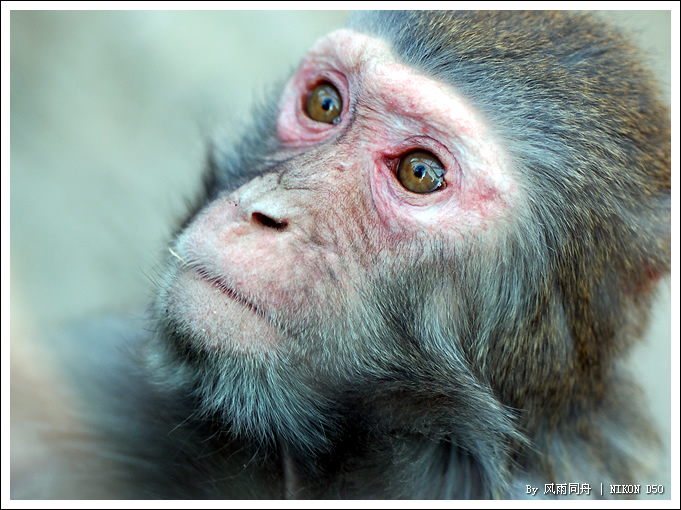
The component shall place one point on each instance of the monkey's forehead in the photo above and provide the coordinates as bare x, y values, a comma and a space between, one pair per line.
370, 64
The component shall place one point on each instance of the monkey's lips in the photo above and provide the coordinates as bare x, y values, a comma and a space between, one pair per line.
219, 284
216, 314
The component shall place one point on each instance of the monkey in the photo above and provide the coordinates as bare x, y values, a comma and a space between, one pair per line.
415, 276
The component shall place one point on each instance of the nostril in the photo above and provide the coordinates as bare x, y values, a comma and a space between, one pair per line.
266, 221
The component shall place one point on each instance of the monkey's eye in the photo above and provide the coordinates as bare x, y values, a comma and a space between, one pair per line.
420, 172
324, 104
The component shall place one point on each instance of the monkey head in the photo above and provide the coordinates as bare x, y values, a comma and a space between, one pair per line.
445, 226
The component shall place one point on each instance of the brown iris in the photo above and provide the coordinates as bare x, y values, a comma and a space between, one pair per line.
324, 104
420, 172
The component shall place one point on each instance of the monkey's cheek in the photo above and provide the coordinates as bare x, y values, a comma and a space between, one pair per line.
215, 319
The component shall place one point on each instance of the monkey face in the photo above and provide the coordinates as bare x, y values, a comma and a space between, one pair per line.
388, 171
375, 168
393, 233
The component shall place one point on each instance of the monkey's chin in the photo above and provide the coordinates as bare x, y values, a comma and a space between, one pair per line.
239, 368
215, 317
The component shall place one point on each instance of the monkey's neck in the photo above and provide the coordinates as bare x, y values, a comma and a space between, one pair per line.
371, 466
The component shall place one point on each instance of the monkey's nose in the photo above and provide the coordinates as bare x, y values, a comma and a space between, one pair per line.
258, 218
261, 205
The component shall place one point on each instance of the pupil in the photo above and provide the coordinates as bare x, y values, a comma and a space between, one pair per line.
326, 104
419, 171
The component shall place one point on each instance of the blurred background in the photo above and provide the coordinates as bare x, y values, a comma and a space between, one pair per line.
110, 117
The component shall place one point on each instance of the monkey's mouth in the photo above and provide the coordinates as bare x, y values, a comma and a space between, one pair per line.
226, 290
215, 313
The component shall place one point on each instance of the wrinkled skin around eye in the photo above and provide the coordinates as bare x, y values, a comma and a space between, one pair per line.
420, 172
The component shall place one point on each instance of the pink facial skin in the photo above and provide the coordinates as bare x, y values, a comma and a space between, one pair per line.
394, 109
343, 209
